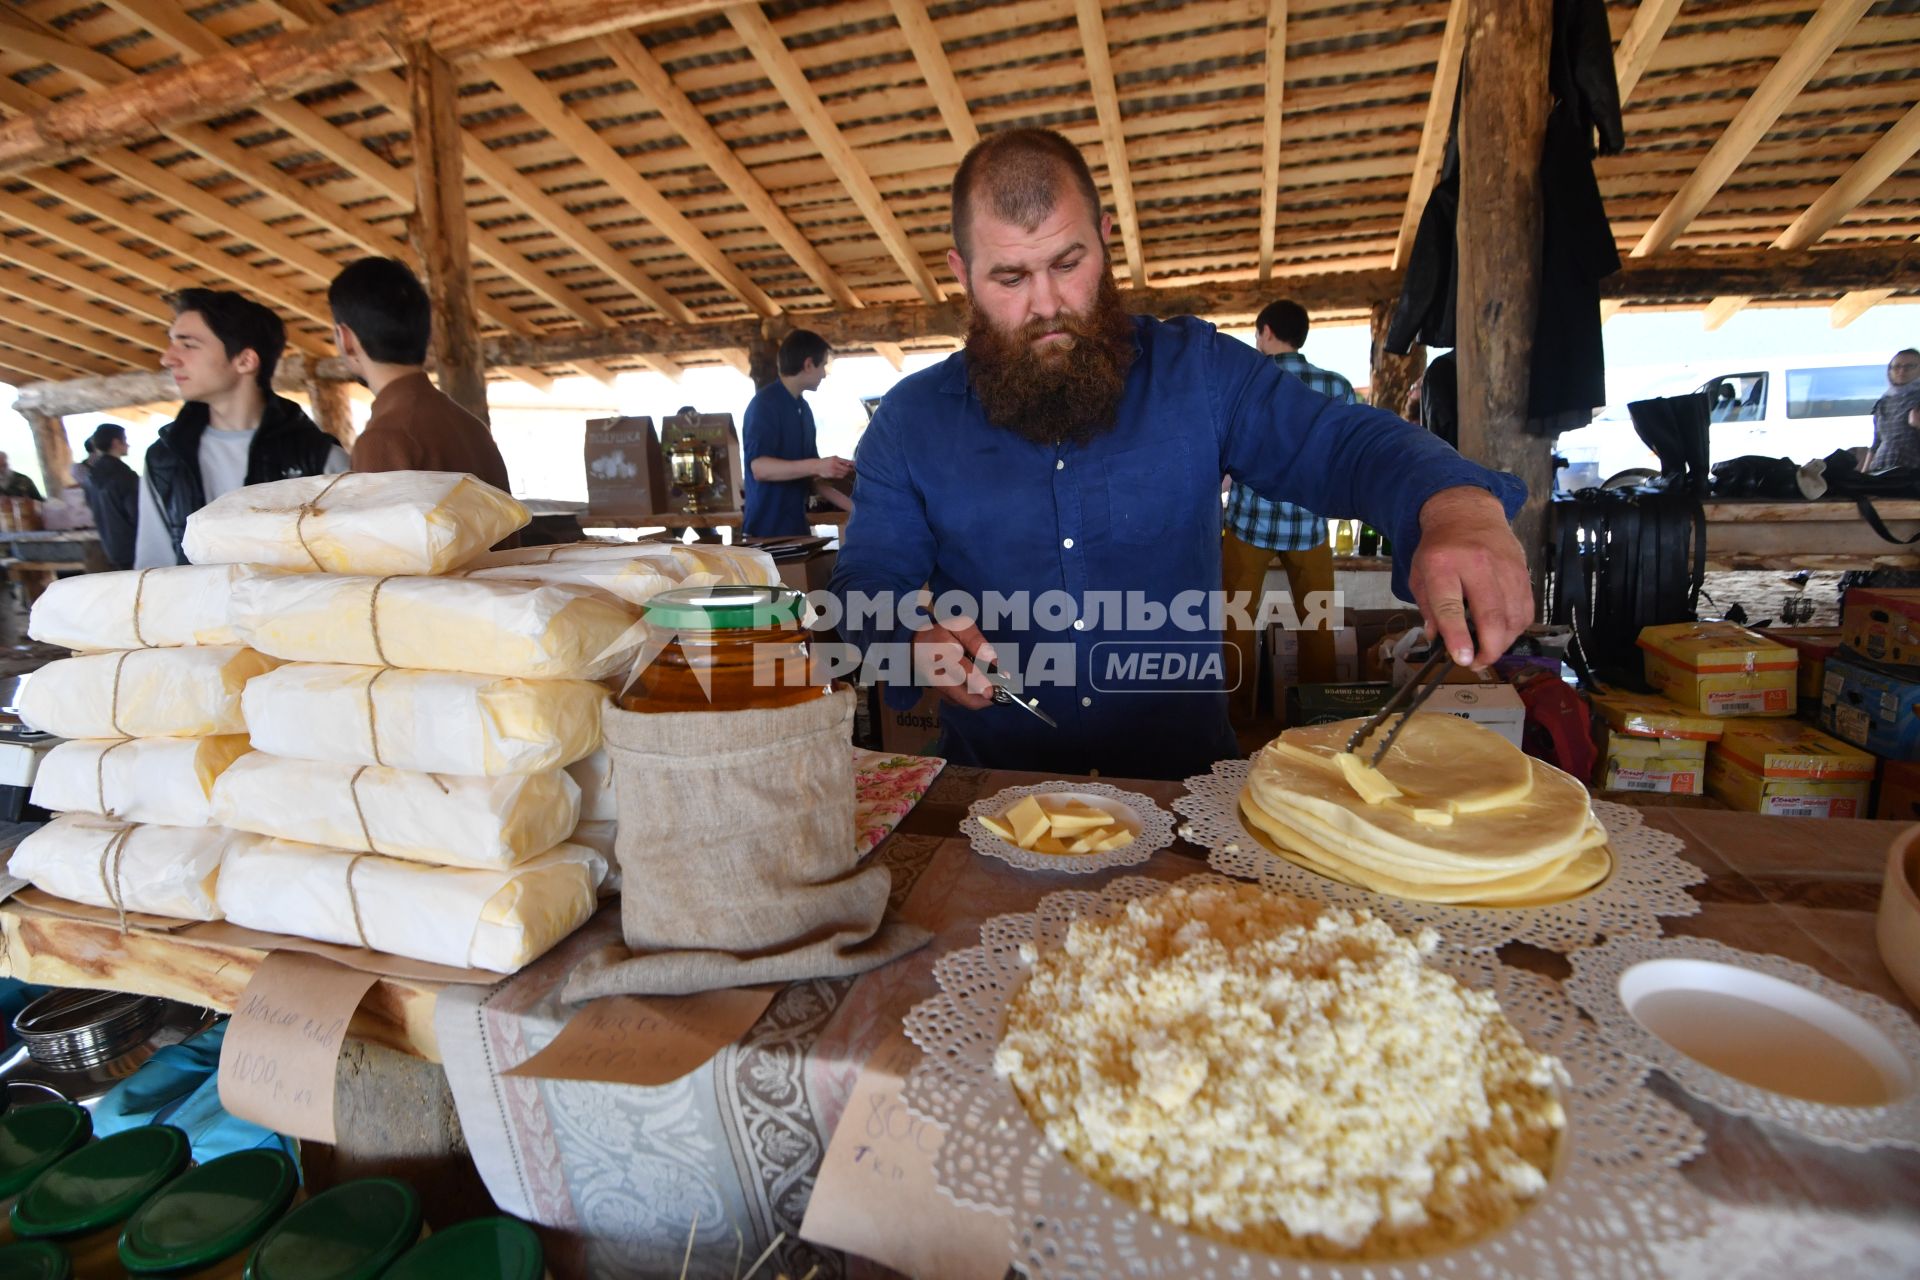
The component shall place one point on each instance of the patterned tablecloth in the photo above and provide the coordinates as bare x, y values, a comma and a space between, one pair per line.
618, 1174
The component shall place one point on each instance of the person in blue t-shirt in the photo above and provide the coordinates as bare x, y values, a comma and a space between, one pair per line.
784, 466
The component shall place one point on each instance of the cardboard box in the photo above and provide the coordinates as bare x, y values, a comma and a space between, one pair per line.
1899, 792
810, 573
1325, 703
1871, 707
1788, 769
1666, 766
1283, 653
626, 472
1721, 669
1814, 645
912, 732
1648, 715
1882, 624
1494, 706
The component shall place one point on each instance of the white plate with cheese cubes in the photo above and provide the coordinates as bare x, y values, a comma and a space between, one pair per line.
1072, 827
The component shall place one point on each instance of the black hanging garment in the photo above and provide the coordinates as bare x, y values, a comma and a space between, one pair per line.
1577, 248
1626, 559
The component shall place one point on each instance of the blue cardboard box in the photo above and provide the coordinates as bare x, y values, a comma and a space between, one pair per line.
1871, 707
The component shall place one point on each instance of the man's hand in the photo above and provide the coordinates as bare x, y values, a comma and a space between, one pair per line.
1468, 559
832, 468
944, 658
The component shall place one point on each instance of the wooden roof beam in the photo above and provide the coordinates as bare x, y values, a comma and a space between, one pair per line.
30, 341
18, 370
1882, 160
1643, 35
777, 63
1815, 43
91, 327
1433, 134
532, 95
653, 82
293, 62
931, 53
1273, 119
1113, 135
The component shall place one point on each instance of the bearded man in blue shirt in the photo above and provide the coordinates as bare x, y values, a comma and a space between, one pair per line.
1059, 481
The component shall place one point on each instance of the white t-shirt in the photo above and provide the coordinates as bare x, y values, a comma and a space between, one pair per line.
223, 468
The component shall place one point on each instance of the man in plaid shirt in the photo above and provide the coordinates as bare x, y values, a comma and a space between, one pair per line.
1256, 530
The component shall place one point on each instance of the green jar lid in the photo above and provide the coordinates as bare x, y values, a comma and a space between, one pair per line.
33, 1137
34, 1260
484, 1249
207, 1215
101, 1183
352, 1232
725, 608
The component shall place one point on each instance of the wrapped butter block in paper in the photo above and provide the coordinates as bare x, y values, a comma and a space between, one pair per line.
379, 523
437, 624
630, 572
428, 721
141, 609
597, 798
165, 780
420, 817
103, 862
493, 920
142, 693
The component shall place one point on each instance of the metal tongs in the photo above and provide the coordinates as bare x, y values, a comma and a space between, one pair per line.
1003, 691
1408, 698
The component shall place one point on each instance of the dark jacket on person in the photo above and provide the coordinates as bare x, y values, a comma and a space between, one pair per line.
287, 444
1577, 245
113, 495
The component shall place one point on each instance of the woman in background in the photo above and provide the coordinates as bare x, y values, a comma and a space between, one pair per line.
1896, 415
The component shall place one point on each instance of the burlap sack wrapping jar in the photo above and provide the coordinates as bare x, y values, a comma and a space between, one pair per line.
736, 837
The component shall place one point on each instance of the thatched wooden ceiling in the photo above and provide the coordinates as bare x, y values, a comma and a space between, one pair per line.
743, 160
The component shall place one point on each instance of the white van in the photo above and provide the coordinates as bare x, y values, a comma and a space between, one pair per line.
1797, 409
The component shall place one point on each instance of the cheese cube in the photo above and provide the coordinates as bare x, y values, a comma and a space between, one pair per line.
1028, 821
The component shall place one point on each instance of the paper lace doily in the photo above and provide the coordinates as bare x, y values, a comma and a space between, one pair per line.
1649, 878
1613, 1200
1156, 830
1595, 986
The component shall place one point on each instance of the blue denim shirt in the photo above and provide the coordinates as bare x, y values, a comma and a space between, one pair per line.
946, 500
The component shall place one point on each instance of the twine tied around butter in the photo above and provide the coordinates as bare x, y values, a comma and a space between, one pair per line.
100, 776
353, 794
353, 900
113, 707
139, 597
311, 507
113, 852
373, 618
373, 716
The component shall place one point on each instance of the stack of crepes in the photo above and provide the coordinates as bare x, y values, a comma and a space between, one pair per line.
1453, 814
408, 786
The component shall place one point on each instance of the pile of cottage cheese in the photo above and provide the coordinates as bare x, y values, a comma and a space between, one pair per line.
1281, 1076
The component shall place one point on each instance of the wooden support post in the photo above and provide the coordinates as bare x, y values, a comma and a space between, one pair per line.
440, 202
1392, 376
55, 454
333, 410
1503, 121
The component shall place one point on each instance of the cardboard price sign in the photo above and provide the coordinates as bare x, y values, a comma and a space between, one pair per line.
647, 1040
277, 1062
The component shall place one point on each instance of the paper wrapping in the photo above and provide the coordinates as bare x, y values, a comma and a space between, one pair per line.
184, 605
379, 523
594, 774
492, 920
165, 780
427, 721
487, 823
437, 624
630, 572
162, 871
142, 693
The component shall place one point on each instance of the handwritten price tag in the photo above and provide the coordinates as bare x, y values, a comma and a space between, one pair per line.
277, 1063
876, 1195
649, 1041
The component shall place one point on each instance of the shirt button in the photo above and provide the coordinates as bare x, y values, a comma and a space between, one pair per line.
1079, 624
1086, 702
1059, 464
1067, 543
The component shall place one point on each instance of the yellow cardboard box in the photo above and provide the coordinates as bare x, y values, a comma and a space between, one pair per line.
1648, 715
1721, 669
1668, 766
1789, 769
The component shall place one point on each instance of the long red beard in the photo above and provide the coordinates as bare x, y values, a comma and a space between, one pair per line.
1067, 393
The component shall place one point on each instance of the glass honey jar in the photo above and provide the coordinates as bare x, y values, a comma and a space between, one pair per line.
728, 648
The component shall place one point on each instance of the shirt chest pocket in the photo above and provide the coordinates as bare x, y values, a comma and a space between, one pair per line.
1147, 497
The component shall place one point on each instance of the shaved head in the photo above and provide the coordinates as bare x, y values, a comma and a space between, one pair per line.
1018, 176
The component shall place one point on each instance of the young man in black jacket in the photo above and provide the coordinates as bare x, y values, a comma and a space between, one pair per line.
233, 430
113, 493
